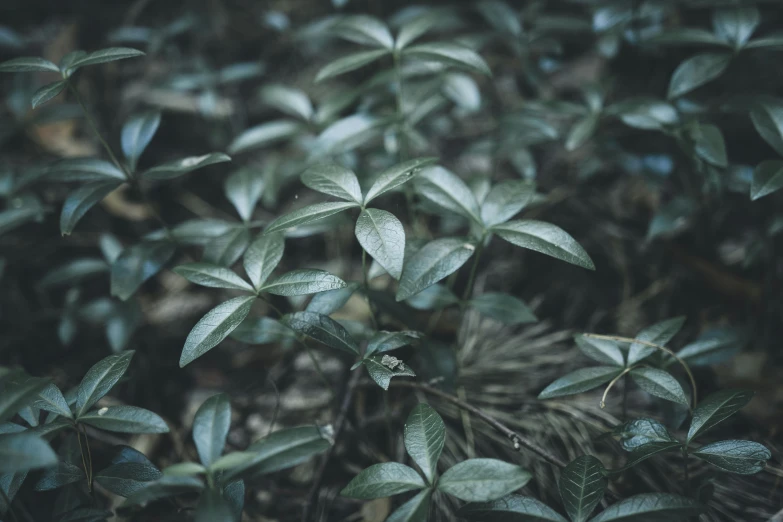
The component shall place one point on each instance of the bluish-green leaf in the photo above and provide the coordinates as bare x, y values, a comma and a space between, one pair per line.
446, 190
715, 409
100, 379
210, 428
125, 478
735, 24
23, 452
601, 350
225, 250
81, 200
736, 456
28, 64
180, 167
264, 134
125, 419
651, 507
384, 341
165, 486
449, 54
640, 432
60, 475
328, 302
307, 215
480, 480
659, 333
696, 71
214, 327
414, 510
290, 100
103, 56
334, 180
17, 390
212, 276
84, 169
659, 383
396, 176
244, 188
262, 257
767, 178
323, 329
433, 262
545, 238
425, 435
365, 30
47, 92
580, 381
382, 236
51, 399
137, 134
503, 307
136, 264
512, 508
505, 200
303, 282
383, 480
582, 485
382, 368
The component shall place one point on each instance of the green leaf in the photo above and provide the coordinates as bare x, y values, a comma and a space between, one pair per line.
125, 478
687, 36
646, 451
767, 178
307, 215
504, 308
104, 55
447, 191
601, 350
17, 390
581, 131
61, 475
23, 452
180, 167
462, 90
84, 169
696, 71
651, 507
165, 486
659, 333
382, 236
289, 100
303, 282
231, 460
715, 409
709, 145
505, 200
261, 330
210, 428
136, 264
735, 24
73, 271
433, 262
767, 117
433, 297
225, 250
184, 469
214, 327
414, 510
349, 63
328, 302
416, 27
28, 64
580, 381
51, 399
646, 114
659, 383
234, 493
212, 507
425, 435
212, 276
47, 92
513, 508
125, 419
396, 176
323, 329
81, 200
736, 456
582, 485
712, 346
545, 238
335, 180
450, 54
384, 341
281, 450
262, 257
672, 217
243, 188
383, 368
100, 379
10, 483
365, 30
640, 432
480, 480
383, 480
137, 134
264, 134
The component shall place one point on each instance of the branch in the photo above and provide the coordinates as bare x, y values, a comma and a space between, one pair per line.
519, 441
339, 423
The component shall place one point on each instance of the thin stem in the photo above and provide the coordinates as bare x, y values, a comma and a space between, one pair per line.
338, 426
95, 131
84, 460
472, 277
612, 383
89, 457
518, 441
659, 347
686, 472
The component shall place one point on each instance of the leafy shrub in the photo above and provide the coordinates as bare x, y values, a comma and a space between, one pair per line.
382, 151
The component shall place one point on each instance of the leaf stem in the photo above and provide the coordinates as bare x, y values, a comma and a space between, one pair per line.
612, 383
659, 347
366, 279
472, 277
